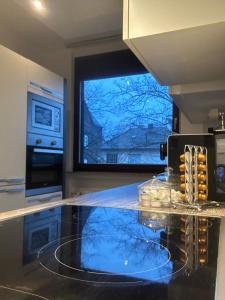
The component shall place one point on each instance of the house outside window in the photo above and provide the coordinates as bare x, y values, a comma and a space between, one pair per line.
112, 158
85, 141
134, 158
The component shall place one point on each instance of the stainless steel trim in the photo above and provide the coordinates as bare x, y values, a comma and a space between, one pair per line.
47, 90
53, 151
41, 191
43, 198
12, 190
46, 141
47, 198
13, 180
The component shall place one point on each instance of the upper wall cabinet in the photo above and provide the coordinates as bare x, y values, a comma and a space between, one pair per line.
178, 41
47, 82
13, 114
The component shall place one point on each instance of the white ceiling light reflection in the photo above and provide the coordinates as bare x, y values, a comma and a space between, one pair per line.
38, 5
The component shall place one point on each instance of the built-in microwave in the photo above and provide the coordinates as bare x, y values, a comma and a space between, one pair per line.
45, 116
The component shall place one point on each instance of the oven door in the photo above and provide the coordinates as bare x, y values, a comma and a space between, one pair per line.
43, 170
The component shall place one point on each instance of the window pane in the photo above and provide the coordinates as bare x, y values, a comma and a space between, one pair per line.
111, 158
124, 120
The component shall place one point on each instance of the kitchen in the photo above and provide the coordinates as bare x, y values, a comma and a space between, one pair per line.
60, 191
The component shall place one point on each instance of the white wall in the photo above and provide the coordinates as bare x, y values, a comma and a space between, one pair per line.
87, 182
187, 127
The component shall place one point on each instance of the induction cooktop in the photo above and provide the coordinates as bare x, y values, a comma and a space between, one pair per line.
81, 252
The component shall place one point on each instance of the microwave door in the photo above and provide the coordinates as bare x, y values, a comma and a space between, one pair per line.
44, 116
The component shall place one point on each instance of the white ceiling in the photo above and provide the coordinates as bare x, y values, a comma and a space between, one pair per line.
68, 21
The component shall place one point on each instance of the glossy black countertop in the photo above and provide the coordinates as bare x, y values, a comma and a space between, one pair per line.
81, 252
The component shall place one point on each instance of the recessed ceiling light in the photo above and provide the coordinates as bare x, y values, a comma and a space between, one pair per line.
38, 4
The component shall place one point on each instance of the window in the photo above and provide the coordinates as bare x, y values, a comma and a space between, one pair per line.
125, 114
111, 158
85, 140
134, 158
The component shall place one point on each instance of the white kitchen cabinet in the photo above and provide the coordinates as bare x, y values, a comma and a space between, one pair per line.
177, 41
12, 197
16, 75
45, 82
13, 115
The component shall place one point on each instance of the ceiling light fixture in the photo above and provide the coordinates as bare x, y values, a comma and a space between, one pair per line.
38, 4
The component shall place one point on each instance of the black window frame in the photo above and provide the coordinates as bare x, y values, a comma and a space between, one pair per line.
100, 66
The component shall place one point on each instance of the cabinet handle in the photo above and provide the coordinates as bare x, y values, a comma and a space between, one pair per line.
44, 199
47, 199
12, 180
10, 191
46, 91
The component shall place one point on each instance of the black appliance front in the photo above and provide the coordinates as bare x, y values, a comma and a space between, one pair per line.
44, 170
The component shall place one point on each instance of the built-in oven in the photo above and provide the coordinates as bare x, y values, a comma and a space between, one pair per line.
44, 170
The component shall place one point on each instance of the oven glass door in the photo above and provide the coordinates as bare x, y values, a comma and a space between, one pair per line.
44, 167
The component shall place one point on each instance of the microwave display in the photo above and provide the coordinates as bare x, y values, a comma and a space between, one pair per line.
43, 116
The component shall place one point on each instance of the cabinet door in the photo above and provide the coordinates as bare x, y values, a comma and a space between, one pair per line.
12, 197
45, 78
13, 115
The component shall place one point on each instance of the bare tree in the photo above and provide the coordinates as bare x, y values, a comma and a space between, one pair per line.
127, 102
